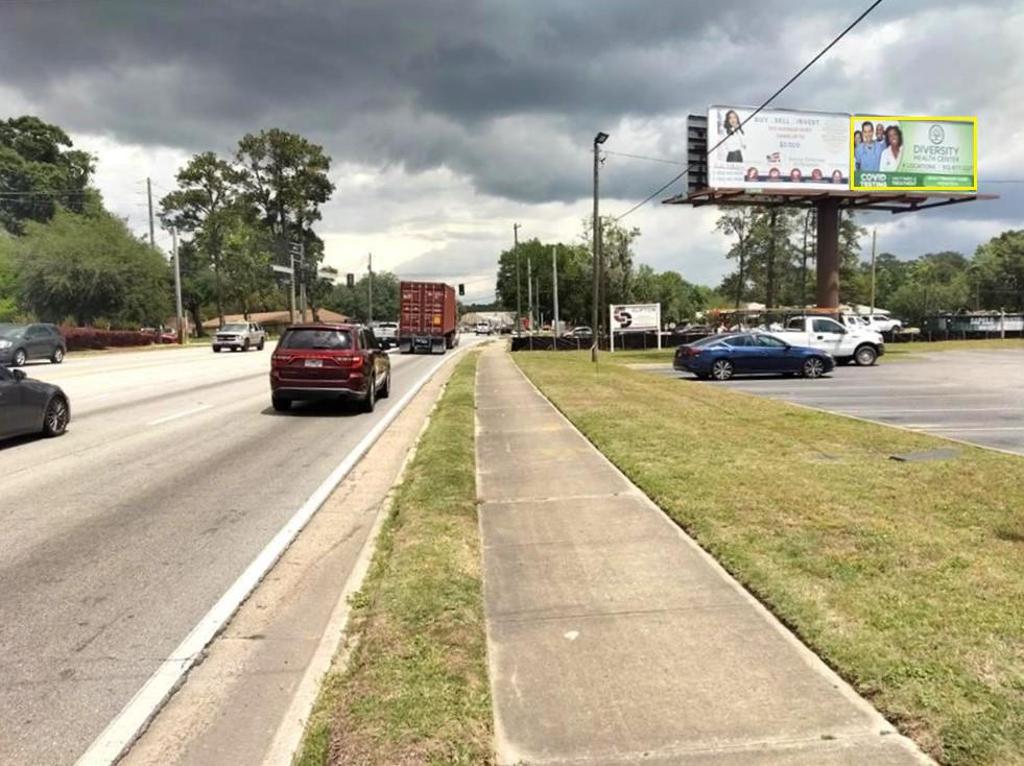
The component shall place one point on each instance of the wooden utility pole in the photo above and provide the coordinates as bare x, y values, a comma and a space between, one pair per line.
554, 283
179, 315
149, 196
519, 284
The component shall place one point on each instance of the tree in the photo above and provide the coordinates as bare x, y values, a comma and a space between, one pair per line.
354, 301
575, 275
39, 171
8, 285
207, 187
999, 271
737, 223
197, 282
90, 268
247, 255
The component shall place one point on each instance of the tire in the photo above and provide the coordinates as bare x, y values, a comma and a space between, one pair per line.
56, 417
259, 346
245, 346
280, 403
865, 356
722, 369
19, 358
813, 367
385, 390
58, 355
216, 349
370, 400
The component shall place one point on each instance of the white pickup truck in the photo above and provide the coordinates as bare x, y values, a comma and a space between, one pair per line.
854, 343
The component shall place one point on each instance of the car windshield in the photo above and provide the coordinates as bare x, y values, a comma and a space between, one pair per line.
317, 339
237, 327
11, 331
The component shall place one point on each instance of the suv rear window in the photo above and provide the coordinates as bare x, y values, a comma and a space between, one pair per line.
317, 339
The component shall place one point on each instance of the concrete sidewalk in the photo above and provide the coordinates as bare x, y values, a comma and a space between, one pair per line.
614, 639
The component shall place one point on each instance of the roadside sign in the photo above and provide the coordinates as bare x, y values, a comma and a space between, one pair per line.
281, 269
634, 317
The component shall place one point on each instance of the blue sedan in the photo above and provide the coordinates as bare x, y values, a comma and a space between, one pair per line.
750, 353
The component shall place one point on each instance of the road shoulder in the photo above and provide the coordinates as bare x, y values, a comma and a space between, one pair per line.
234, 707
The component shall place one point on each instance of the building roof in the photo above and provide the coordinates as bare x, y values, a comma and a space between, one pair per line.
274, 318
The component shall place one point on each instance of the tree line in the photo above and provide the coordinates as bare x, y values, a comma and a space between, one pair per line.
622, 280
65, 258
773, 255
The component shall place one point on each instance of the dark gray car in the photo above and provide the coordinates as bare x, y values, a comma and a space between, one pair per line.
20, 343
30, 406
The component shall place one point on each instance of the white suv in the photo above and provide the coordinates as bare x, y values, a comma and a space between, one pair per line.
240, 336
883, 323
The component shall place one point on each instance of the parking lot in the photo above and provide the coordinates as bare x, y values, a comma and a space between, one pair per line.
975, 396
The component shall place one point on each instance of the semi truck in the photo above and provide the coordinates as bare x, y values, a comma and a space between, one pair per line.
427, 318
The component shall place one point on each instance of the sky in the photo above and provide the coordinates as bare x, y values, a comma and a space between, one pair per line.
448, 121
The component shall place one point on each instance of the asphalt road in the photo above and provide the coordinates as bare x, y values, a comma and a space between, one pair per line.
974, 396
120, 535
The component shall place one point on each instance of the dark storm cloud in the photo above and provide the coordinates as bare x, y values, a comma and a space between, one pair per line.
507, 93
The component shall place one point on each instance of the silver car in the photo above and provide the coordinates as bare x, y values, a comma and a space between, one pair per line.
240, 336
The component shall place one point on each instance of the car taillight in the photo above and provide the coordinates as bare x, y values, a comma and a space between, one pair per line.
354, 362
279, 360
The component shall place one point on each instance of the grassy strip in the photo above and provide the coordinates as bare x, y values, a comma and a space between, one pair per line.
416, 689
906, 577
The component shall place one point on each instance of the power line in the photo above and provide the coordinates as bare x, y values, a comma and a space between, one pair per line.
642, 157
753, 114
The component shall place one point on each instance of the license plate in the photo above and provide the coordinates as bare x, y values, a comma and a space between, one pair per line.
314, 362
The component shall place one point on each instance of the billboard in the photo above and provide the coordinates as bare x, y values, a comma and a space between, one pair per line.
778, 148
899, 153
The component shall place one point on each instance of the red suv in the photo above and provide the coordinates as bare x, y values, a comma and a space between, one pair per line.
329, 361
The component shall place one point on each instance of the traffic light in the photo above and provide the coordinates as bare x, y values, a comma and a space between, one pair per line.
462, 289
350, 280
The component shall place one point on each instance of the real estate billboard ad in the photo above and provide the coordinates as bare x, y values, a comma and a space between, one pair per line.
899, 153
778, 148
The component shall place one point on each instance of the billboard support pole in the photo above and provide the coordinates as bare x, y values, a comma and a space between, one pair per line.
828, 253
611, 330
659, 327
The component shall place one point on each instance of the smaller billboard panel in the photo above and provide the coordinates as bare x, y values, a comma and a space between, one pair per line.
899, 153
778, 148
636, 316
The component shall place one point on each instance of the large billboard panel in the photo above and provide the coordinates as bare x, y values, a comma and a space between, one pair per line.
899, 153
778, 148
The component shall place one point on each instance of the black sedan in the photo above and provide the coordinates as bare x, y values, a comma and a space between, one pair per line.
722, 356
31, 406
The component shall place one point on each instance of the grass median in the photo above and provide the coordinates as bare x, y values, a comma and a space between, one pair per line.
906, 577
415, 690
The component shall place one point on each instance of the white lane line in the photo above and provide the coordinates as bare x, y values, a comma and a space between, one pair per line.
177, 415
914, 410
974, 429
126, 727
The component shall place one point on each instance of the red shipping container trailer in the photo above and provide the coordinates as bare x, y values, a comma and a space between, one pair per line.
427, 320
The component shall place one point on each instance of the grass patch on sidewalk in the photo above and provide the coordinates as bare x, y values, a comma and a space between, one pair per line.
907, 578
416, 689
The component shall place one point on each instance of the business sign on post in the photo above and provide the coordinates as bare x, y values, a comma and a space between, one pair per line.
778, 148
635, 317
899, 153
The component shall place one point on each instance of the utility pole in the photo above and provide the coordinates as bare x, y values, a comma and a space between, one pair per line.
554, 291
529, 296
874, 238
302, 277
291, 303
179, 314
519, 284
599, 139
149, 196
369, 293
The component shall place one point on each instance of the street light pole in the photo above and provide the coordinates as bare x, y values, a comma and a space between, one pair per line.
554, 295
519, 284
599, 139
874, 236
